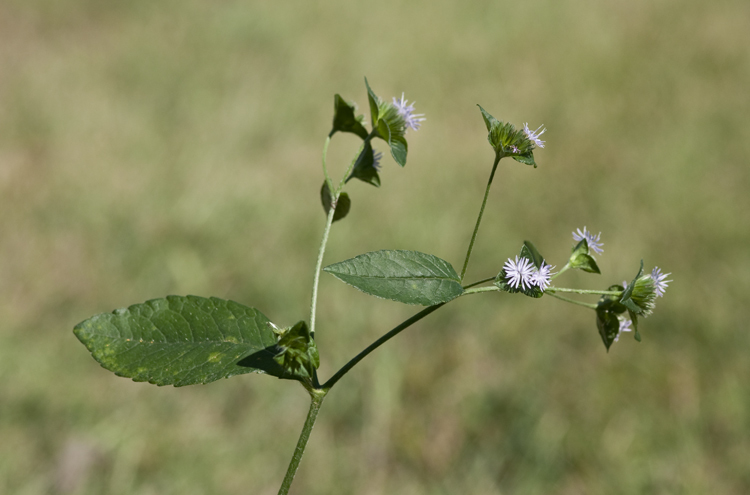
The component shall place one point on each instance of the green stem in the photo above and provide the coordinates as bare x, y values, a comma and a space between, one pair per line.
490, 279
382, 340
477, 290
585, 305
325, 166
481, 212
316, 400
563, 270
585, 291
319, 264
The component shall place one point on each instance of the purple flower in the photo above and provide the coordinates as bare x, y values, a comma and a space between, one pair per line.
534, 135
659, 283
592, 240
519, 272
541, 277
376, 156
413, 120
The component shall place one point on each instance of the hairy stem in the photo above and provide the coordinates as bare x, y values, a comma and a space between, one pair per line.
481, 212
585, 291
316, 400
325, 166
319, 264
573, 301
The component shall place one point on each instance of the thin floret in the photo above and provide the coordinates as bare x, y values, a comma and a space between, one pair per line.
660, 284
592, 240
413, 120
519, 272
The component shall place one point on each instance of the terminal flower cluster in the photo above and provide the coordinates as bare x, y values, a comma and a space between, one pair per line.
413, 120
523, 273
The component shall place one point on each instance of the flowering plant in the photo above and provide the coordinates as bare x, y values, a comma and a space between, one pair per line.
187, 340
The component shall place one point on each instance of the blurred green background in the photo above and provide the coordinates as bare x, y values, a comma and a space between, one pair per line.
153, 148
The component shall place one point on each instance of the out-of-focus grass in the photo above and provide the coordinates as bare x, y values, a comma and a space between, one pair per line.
151, 148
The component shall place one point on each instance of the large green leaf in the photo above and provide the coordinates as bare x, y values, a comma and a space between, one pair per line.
182, 340
409, 277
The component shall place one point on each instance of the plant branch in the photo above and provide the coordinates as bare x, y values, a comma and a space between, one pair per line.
316, 400
382, 340
481, 212
319, 264
573, 301
586, 291
479, 282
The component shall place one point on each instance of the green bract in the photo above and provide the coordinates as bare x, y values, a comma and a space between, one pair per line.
388, 125
506, 140
640, 294
582, 260
345, 118
297, 352
364, 168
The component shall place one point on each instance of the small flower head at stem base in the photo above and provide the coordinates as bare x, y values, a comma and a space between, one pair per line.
519, 272
593, 240
541, 277
624, 326
413, 120
534, 135
659, 281
376, 157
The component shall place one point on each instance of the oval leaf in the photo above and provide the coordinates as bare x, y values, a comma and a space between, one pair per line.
182, 340
409, 277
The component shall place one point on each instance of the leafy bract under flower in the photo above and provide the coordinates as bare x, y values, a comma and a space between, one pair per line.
593, 241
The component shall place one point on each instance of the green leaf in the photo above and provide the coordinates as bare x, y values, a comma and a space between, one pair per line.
608, 325
409, 277
182, 340
345, 119
582, 260
342, 207
527, 158
399, 148
530, 252
363, 167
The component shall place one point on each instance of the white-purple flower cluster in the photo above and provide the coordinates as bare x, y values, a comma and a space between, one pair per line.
523, 273
593, 240
534, 135
624, 327
413, 120
376, 157
659, 283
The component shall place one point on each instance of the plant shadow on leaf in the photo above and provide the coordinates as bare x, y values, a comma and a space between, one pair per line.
263, 361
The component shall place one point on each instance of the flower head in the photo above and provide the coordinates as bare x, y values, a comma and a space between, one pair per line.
376, 156
413, 120
624, 327
541, 277
534, 135
659, 283
514, 148
520, 272
592, 240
